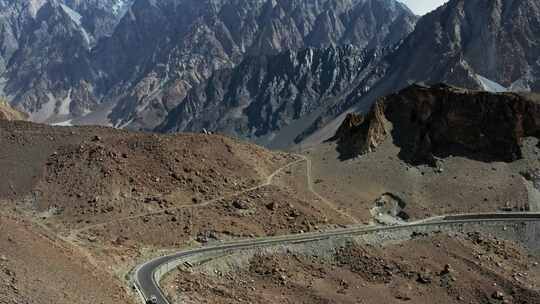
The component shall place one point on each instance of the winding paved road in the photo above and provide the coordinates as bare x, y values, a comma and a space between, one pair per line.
144, 276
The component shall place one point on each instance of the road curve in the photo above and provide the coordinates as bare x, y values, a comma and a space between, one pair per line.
144, 276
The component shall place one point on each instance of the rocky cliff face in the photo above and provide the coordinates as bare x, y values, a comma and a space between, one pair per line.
100, 17
75, 57
264, 95
198, 38
176, 64
476, 44
45, 54
438, 121
51, 64
473, 43
13, 17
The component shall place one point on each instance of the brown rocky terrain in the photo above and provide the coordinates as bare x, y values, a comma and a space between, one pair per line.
88, 175
463, 268
267, 211
438, 121
427, 151
115, 198
58, 180
36, 268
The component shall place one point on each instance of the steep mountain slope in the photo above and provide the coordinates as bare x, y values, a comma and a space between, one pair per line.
97, 17
263, 95
51, 65
498, 40
479, 44
72, 58
8, 113
13, 17
45, 53
100, 17
161, 67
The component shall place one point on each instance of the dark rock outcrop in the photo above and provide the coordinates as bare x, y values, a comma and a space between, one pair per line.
438, 121
476, 44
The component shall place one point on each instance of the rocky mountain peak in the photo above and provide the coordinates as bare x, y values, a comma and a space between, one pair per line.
217, 35
50, 63
265, 94
130, 63
496, 41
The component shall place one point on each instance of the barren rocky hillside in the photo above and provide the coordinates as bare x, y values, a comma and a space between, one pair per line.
38, 268
91, 174
116, 196
377, 156
428, 151
264, 95
463, 268
476, 44
128, 63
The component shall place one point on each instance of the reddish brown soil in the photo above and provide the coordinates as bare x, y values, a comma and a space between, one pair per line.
270, 210
437, 269
463, 185
112, 194
89, 175
38, 269
72, 180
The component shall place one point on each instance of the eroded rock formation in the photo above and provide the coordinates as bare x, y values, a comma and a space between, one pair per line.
438, 121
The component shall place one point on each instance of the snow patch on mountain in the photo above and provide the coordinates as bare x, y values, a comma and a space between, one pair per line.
34, 6
77, 18
64, 107
490, 85
67, 123
522, 84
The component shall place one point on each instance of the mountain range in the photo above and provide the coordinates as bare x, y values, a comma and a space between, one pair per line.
276, 72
